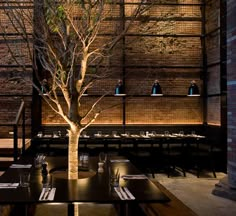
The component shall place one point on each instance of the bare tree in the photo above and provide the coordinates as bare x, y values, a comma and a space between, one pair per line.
62, 36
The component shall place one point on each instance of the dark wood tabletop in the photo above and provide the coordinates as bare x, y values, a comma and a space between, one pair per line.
93, 189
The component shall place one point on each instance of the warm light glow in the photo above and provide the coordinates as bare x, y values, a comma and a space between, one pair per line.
83, 182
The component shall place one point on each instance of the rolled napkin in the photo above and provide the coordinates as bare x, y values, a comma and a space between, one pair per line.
139, 176
21, 166
119, 160
8, 185
47, 194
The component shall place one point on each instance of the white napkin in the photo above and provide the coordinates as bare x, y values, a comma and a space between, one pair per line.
47, 195
21, 166
8, 185
139, 176
119, 160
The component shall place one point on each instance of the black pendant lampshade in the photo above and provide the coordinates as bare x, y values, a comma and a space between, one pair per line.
119, 89
45, 87
193, 89
156, 89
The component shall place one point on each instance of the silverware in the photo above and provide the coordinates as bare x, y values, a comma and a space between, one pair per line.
120, 192
127, 197
49, 190
46, 193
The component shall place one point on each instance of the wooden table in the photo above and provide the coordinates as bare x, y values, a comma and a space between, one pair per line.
95, 189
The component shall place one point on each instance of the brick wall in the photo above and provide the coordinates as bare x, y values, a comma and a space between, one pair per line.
146, 59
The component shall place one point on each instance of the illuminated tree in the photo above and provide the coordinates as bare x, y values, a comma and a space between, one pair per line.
62, 38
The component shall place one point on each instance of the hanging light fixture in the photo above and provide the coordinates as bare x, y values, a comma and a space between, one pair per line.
156, 89
193, 89
119, 89
45, 87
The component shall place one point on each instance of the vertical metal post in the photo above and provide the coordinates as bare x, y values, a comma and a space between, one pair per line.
15, 151
204, 63
122, 16
23, 130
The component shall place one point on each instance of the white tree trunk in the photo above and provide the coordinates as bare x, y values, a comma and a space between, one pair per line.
74, 134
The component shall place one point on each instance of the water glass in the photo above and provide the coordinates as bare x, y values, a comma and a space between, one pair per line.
142, 133
114, 133
167, 133
39, 160
24, 178
154, 133
114, 176
84, 160
40, 134
102, 157
47, 181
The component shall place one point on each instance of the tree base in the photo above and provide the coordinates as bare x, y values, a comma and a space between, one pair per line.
62, 173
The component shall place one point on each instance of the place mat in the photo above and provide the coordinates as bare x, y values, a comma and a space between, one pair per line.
21, 166
139, 176
119, 160
47, 194
8, 185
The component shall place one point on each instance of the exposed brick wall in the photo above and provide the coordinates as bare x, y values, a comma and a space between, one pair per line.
145, 61
143, 110
231, 83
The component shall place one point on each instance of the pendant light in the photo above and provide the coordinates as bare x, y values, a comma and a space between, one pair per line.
193, 89
156, 89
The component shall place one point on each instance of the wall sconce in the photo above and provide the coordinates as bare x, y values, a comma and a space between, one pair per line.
193, 89
156, 89
119, 90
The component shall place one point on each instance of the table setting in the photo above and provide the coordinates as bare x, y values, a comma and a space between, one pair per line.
45, 187
9, 185
47, 194
124, 193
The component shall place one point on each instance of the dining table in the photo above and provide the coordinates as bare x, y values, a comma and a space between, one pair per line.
92, 186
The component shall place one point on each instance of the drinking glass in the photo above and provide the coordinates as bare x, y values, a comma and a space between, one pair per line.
114, 175
24, 178
153, 133
142, 133
102, 157
114, 133
40, 134
84, 160
167, 133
